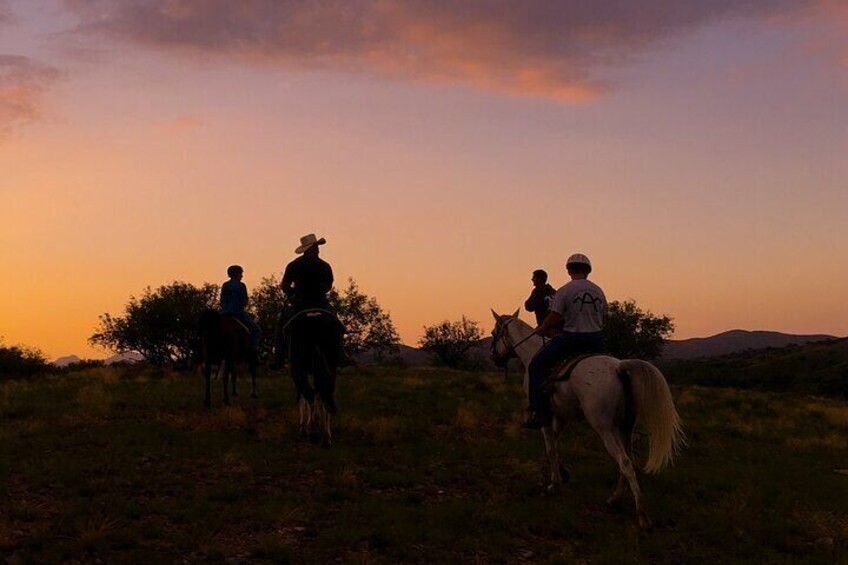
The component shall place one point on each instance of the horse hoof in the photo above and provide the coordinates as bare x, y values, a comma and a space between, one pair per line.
614, 503
551, 489
326, 443
645, 523
207, 404
564, 473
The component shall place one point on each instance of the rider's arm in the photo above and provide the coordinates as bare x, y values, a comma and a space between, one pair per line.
532, 303
552, 320
244, 295
328, 280
288, 283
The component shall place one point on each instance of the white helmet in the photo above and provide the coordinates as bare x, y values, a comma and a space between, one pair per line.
579, 259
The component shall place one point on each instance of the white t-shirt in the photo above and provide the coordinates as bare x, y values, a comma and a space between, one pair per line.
582, 305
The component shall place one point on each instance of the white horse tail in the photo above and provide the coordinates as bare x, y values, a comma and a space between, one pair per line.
656, 412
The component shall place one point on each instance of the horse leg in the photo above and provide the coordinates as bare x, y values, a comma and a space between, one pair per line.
303, 415
615, 500
223, 372
314, 417
233, 369
327, 439
550, 434
615, 446
253, 370
207, 376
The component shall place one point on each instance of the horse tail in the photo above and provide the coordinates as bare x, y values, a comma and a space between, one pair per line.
656, 412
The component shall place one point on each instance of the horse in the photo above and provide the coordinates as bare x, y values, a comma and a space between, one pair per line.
313, 344
614, 395
225, 342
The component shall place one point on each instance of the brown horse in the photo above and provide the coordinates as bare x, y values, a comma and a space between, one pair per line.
225, 343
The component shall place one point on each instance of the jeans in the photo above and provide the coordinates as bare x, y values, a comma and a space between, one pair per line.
561, 347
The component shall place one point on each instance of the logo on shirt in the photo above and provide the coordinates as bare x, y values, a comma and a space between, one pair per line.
587, 298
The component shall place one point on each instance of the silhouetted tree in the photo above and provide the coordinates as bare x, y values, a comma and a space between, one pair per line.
451, 342
21, 361
266, 302
630, 332
368, 327
162, 325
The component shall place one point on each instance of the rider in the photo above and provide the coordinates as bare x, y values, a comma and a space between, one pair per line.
577, 310
541, 297
234, 301
306, 282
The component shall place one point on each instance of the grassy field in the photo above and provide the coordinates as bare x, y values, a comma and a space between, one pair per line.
430, 466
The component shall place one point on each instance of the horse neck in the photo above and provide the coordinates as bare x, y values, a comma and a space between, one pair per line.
528, 349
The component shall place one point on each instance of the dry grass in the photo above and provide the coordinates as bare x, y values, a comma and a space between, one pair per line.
94, 400
379, 430
834, 414
833, 440
467, 418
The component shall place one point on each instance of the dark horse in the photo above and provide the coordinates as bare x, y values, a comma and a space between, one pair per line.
313, 338
225, 343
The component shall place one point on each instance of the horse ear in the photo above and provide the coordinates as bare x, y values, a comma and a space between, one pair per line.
495, 315
516, 313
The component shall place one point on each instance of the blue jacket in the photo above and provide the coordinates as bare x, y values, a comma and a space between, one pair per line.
233, 297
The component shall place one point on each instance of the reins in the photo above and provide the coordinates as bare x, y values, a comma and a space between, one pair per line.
502, 336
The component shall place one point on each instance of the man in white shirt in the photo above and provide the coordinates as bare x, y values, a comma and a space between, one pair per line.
577, 318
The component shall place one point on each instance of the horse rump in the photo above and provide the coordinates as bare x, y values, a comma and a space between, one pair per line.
314, 345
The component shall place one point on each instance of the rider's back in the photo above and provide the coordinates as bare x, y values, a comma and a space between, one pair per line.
582, 305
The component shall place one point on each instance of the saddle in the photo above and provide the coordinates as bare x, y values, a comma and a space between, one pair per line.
562, 371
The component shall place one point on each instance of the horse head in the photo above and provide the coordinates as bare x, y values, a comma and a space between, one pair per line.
502, 347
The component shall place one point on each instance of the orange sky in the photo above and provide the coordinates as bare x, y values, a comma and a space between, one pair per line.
701, 168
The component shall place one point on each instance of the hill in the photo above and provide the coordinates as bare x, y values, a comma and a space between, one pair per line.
122, 465
734, 341
819, 368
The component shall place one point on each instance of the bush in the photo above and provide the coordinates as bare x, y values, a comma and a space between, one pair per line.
368, 328
21, 361
451, 342
162, 325
630, 333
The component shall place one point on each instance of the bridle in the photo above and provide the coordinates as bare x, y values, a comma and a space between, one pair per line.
502, 336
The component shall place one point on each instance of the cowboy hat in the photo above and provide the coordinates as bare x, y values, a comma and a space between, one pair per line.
308, 241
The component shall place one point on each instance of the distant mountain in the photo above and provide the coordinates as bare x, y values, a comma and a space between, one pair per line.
735, 341
66, 360
130, 357
819, 368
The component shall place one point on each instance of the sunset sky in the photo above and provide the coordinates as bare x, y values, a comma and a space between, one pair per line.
696, 151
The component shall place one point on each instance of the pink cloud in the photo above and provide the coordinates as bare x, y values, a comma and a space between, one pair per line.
6, 15
183, 123
530, 47
22, 86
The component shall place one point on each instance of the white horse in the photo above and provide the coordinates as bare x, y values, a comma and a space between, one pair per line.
596, 389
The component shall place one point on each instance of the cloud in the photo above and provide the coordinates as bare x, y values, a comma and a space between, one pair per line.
23, 82
6, 15
540, 48
182, 123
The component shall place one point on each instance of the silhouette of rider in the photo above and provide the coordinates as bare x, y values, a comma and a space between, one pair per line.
306, 282
234, 303
540, 299
577, 317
